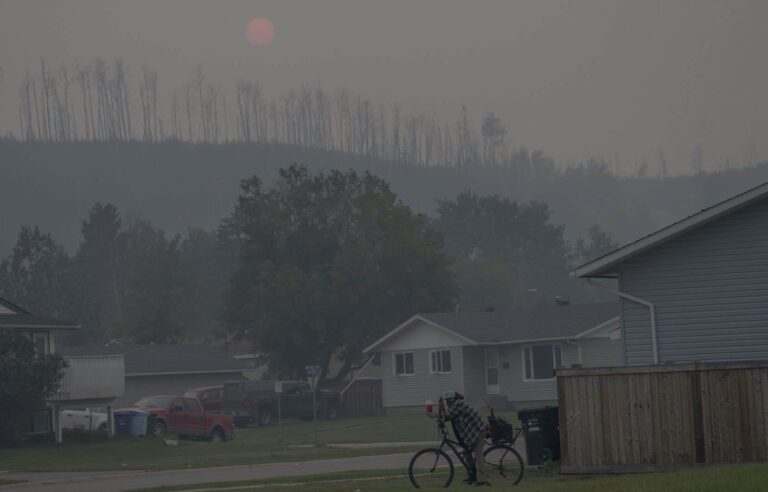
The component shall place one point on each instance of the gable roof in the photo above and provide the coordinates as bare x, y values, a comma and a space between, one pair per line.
13, 317
603, 266
165, 359
523, 325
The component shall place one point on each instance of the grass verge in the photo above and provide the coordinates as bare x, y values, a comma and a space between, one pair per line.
742, 478
251, 446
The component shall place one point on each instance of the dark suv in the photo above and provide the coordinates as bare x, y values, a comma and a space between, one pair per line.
250, 402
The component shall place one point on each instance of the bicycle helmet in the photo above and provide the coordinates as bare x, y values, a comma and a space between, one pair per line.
451, 395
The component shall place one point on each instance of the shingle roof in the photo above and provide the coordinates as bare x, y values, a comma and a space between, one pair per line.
30, 321
165, 358
526, 324
20, 318
543, 323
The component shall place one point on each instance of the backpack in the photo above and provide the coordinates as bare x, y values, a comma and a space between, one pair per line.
500, 429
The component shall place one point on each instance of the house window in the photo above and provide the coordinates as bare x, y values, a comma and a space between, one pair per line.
41, 345
540, 361
492, 368
440, 361
404, 364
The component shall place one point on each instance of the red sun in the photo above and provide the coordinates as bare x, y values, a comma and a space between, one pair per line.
260, 31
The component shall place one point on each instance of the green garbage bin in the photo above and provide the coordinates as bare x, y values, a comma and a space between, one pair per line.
542, 436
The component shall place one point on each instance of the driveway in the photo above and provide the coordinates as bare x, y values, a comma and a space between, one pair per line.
121, 481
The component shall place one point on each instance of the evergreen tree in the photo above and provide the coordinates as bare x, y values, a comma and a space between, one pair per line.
95, 291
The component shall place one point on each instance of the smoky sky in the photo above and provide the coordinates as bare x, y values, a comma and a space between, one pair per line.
614, 79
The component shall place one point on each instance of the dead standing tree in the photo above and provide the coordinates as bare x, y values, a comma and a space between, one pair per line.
148, 98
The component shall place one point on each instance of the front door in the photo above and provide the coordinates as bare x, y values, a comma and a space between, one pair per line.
492, 370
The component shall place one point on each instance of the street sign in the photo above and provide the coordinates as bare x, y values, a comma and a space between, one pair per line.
312, 370
278, 386
312, 380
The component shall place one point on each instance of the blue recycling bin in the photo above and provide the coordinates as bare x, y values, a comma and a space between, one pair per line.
123, 422
130, 423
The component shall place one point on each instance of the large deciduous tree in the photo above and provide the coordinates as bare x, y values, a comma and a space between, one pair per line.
26, 379
329, 262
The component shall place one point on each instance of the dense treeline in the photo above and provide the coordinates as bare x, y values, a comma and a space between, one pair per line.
179, 185
125, 281
312, 268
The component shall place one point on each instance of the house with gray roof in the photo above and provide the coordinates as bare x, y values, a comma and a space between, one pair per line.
168, 369
493, 358
88, 380
696, 290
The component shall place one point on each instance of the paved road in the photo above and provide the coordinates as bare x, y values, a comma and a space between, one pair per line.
121, 481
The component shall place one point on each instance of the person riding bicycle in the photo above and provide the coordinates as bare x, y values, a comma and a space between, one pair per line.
469, 429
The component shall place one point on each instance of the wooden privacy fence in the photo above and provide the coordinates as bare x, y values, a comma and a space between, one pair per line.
363, 399
663, 416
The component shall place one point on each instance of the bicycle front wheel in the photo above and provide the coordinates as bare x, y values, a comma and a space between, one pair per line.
430, 468
503, 463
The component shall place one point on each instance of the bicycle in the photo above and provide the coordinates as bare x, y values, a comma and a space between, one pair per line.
433, 467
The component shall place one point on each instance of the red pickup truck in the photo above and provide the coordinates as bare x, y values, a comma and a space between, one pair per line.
186, 417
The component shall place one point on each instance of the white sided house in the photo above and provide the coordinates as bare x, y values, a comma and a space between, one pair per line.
494, 358
87, 381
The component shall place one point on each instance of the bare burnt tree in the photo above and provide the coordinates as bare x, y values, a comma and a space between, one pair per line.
199, 112
121, 101
198, 82
189, 105
148, 98
492, 132
176, 122
84, 81
26, 112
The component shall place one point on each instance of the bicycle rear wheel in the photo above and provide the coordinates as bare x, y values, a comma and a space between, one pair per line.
503, 463
430, 468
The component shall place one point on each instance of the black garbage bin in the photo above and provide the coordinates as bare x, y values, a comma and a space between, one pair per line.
542, 437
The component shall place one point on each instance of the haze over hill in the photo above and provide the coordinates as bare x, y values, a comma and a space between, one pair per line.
179, 185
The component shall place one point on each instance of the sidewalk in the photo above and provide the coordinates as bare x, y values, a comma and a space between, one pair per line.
122, 481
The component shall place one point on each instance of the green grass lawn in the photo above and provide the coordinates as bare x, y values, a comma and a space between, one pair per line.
256, 445
742, 478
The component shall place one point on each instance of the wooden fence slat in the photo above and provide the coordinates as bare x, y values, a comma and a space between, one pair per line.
655, 419
706, 416
761, 426
563, 409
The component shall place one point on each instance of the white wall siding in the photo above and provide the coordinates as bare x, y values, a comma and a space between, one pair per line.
602, 352
511, 379
91, 378
422, 336
401, 391
710, 289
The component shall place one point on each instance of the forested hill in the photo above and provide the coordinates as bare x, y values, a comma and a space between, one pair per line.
180, 185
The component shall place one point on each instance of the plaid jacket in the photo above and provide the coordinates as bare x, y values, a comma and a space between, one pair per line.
467, 423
